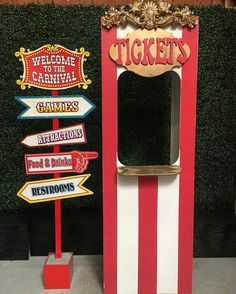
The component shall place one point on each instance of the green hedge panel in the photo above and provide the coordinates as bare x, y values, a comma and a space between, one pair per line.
74, 26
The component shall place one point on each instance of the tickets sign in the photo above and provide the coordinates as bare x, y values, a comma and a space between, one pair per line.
63, 162
54, 189
43, 107
53, 67
150, 53
69, 135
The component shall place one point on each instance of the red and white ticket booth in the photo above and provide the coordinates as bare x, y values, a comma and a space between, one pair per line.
149, 211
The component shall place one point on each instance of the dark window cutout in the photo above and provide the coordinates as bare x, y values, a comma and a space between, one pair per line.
148, 119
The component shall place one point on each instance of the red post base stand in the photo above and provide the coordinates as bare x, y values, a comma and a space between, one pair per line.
58, 267
58, 271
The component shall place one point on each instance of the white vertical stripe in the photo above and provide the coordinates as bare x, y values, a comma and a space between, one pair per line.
168, 221
127, 235
127, 222
167, 232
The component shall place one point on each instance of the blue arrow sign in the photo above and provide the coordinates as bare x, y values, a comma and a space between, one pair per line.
44, 107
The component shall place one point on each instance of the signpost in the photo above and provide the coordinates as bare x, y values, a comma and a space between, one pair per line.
54, 67
63, 162
69, 135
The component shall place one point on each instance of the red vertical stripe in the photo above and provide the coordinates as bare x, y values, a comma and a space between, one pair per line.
109, 150
187, 158
56, 149
147, 256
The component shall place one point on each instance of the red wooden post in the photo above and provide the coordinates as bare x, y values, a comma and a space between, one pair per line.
56, 149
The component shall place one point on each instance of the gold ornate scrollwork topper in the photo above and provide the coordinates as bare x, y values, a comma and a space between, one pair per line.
149, 14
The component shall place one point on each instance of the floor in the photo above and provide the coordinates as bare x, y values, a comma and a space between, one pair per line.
210, 276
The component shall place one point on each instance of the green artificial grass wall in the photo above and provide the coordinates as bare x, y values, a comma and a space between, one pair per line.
216, 110
31, 27
144, 116
74, 26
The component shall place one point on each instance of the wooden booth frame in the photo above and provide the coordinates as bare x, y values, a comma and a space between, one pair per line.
148, 219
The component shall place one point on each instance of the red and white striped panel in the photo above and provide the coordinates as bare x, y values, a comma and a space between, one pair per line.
148, 221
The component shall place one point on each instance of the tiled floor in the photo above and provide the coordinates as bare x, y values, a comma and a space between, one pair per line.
211, 276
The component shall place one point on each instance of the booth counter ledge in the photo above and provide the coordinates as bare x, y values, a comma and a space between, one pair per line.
149, 170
